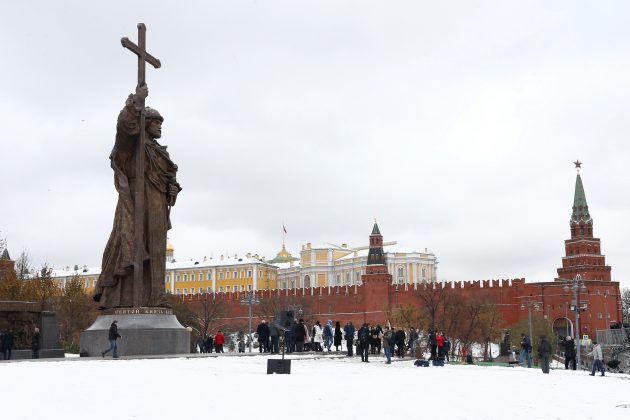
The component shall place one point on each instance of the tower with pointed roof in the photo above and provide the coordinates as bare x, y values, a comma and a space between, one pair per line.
583, 251
376, 280
7, 265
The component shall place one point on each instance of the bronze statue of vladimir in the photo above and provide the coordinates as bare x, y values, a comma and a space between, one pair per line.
116, 287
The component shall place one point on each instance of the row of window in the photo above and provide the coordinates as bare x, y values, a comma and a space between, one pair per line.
194, 291
222, 275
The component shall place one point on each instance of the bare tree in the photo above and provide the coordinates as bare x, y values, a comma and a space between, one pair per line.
23, 266
431, 301
208, 309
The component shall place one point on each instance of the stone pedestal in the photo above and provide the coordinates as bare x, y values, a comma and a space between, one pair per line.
144, 331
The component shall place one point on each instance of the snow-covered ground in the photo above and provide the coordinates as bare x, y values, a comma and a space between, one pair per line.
322, 388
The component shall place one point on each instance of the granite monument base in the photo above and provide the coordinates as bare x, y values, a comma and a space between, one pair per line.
144, 331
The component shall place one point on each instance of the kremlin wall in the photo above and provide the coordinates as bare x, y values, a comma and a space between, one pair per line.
377, 295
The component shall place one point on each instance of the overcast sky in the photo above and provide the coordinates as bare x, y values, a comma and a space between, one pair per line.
455, 124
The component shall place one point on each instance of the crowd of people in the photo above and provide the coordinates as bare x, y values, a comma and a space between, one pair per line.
7, 342
363, 341
369, 340
207, 343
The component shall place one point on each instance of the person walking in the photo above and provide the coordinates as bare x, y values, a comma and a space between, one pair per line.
219, 341
349, 332
328, 335
544, 351
338, 336
569, 353
35, 343
526, 350
113, 337
364, 342
598, 357
388, 343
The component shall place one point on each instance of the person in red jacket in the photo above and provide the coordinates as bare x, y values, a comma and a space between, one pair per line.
219, 340
440, 343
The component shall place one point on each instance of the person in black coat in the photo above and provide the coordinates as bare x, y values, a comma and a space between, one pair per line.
263, 337
7, 344
400, 343
544, 351
569, 353
35, 343
349, 331
338, 336
364, 342
113, 336
299, 333
208, 343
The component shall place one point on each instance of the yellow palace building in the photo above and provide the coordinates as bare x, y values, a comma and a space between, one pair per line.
208, 275
329, 265
324, 265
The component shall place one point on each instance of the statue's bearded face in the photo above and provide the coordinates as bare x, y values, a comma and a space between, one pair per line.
154, 128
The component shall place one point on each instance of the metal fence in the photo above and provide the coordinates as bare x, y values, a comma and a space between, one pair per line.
614, 338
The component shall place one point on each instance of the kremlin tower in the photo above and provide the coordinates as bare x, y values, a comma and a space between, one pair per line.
583, 251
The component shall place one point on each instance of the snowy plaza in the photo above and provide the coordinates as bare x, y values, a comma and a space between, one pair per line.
317, 388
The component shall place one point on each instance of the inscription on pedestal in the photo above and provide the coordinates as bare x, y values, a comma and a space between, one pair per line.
138, 311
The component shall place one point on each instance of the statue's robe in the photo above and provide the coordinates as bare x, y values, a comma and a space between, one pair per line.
115, 283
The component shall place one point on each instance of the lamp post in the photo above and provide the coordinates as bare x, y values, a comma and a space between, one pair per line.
529, 303
576, 285
250, 300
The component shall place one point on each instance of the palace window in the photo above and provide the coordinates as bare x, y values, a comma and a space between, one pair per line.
220, 288
185, 277
177, 291
338, 280
220, 275
249, 274
209, 275
347, 278
357, 277
228, 288
200, 276
307, 281
424, 274
235, 274
192, 276
185, 291
249, 287
177, 277
192, 290
209, 290
168, 278
401, 275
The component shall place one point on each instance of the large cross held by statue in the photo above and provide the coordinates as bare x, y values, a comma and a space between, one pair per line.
139, 245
